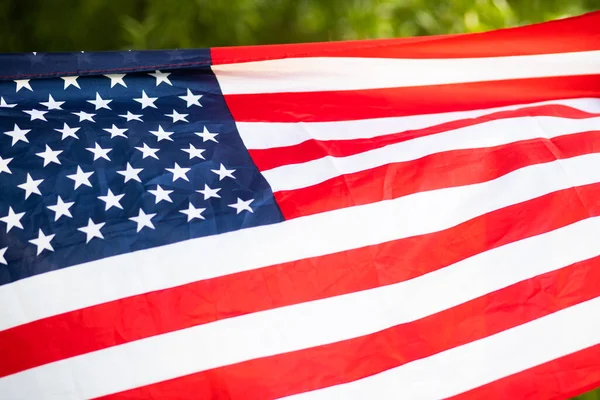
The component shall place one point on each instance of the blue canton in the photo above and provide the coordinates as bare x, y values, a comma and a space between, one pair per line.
96, 165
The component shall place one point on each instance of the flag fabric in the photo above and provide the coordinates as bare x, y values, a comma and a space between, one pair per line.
411, 218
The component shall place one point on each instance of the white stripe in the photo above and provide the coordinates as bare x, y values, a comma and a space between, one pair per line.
488, 134
349, 228
315, 74
265, 135
305, 325
477, 363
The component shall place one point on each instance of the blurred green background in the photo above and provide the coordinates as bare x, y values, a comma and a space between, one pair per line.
71, 25
62, 25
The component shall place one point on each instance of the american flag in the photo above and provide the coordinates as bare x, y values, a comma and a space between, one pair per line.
388, 219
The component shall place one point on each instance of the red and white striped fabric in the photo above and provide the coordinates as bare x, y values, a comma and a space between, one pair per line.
442, 237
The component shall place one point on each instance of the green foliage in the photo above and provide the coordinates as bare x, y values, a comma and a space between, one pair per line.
69, 25
593, 395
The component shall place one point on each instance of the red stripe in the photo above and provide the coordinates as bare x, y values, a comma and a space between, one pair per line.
396, 102
436, 171
314, 149
563, 378
349, 360
117, 322
576, 34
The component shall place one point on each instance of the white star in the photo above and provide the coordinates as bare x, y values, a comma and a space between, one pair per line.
43, 242
131, 117
194, 152
92, 230
161, 77
4, 165
71, 80
143, 220
51, 104
224, 172
208, 192
4, 104
111, 200
206, 135
36, 114
100, 102
31, 186
193, 212
61, 208
148, 151
68, 131
131, 173
23, 83
114, 131
18, 134
2, 259
81, 178
178, 117
242, 205
146, 101
83, 116
191, 99
161, 194
178, 172
49, 155
12, 220
116, 79
99, 152
161, 134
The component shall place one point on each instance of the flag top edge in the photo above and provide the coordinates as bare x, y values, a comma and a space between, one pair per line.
579, 33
